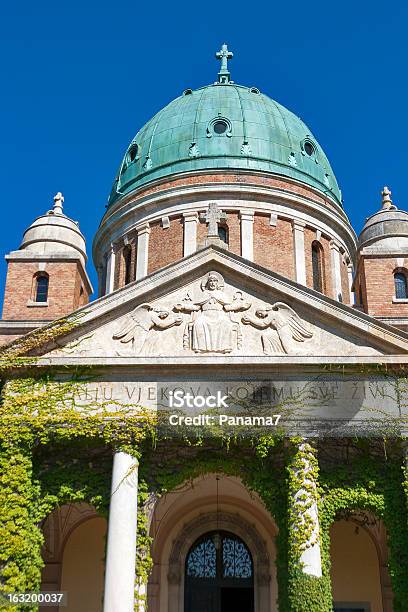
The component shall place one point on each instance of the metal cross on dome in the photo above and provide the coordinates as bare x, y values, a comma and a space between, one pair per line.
213, 216
224, 55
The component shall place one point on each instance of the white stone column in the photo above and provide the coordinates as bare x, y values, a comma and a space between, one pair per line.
304, 511
350, 282
143, 233
110, 270
122, 528
247, 234
299, 250
336, 273
190, 233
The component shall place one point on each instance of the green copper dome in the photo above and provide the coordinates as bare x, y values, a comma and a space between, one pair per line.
224, 126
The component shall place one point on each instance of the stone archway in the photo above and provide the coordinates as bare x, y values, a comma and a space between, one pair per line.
224, 521
371, 528
74, 535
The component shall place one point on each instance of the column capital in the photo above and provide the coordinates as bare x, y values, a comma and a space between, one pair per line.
127, 457
299, 225
143, 228
246, 214
334, 245
191, 215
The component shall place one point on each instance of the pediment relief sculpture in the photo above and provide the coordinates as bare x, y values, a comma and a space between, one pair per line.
211, 320
212, 327
143, 325
282, 329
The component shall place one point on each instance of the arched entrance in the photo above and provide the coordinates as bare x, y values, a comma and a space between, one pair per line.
219, 574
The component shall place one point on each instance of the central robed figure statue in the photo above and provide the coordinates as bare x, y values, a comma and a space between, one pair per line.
212, 328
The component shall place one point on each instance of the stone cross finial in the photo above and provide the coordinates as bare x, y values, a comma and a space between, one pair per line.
386, 198
58, 202
224, 55
213, 216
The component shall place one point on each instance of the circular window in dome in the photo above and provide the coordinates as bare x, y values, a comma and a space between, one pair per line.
187, 92
219, 127
254, 90
309, 148
132, 154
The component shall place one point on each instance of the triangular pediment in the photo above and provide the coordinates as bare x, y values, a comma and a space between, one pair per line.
216, 304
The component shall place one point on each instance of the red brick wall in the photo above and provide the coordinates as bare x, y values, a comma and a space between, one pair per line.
328, 273
201, 234
233, 179
310, 237
273, 246
377, 279
81, 295
120, 268
165, 244
360, 289
234, 232
65, 282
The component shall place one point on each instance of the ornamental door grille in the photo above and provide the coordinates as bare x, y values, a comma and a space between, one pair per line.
219, 575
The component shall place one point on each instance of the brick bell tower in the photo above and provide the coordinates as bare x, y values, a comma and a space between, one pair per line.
46, 276
381, 279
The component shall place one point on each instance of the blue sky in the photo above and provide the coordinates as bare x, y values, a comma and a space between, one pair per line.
80, 78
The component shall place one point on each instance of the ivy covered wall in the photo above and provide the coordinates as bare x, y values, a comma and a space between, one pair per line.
45, 450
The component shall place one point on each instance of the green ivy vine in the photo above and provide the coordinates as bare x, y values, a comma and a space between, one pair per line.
46, 442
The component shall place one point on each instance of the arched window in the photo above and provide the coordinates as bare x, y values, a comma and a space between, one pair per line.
127, 261
401, 289
41, 288
223, 233
219, 574
317, 266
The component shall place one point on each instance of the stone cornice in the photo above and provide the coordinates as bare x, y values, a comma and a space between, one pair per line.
240, 363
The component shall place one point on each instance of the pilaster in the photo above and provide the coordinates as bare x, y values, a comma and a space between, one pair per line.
143, 233
247, 234
190, 233
336, 273
299, 250
110, 270
350, 275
